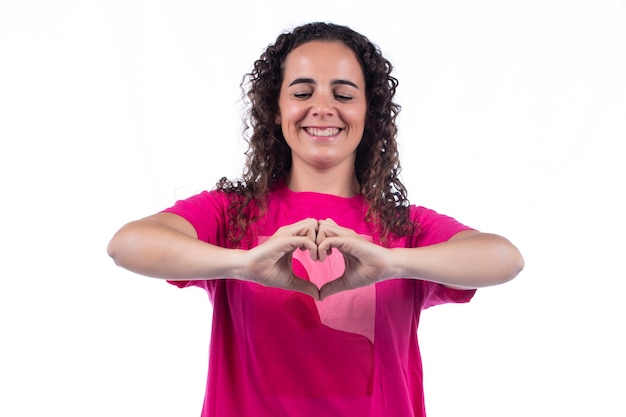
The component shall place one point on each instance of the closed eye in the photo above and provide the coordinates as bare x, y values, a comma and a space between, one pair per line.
302, 96
343, 97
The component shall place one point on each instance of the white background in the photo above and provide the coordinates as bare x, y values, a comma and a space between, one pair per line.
513, 121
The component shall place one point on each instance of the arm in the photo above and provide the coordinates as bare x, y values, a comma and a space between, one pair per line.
166, 246
470, 259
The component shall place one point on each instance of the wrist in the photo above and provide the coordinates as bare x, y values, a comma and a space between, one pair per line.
403, 262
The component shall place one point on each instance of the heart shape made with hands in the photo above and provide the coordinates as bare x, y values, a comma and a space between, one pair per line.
355, 260
325, 264
318, 272
339, 254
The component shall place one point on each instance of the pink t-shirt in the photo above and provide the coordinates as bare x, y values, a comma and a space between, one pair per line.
278, 353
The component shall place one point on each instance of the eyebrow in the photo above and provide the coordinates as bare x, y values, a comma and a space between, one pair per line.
312, 81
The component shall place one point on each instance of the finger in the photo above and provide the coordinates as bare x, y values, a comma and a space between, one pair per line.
287, 245
325, 247
321, 255
328, 228
305, 227
314, 252
312, 235
325, 229
341, 243
333, 287
310, 228
310, 232
323, 235
291, 243
320, 234
305, 287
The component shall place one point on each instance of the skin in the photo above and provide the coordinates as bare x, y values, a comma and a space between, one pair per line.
323, 88
322, 107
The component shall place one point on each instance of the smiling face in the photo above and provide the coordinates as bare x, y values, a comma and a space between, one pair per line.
322, 106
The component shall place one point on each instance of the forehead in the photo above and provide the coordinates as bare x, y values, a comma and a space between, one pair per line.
322, 57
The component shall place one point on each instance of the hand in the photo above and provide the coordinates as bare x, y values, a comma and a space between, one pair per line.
365, 262
270, 263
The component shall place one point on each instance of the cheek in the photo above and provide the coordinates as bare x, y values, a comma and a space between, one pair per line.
290, 116
356, 118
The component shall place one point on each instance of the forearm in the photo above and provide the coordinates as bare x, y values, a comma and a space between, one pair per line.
476, 260
150, 248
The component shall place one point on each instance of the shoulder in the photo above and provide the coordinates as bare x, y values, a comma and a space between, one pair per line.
206, 211
202, 201
433, 227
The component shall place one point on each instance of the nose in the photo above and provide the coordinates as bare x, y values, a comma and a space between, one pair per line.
322, 106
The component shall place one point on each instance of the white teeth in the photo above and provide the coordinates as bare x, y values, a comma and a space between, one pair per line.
322, 132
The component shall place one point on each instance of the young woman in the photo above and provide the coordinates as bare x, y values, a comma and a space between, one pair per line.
315, 262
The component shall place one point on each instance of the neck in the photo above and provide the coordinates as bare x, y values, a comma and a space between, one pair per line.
339, 184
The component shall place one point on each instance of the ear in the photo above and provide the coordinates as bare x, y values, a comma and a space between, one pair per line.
277, 119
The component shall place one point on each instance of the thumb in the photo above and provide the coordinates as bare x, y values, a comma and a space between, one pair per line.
305, 287
333, 287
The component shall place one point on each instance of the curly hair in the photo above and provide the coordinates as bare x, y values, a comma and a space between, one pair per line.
268, 158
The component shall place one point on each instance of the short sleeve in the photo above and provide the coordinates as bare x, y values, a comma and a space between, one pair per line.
436, 228
433, 227
436, 294
206, 212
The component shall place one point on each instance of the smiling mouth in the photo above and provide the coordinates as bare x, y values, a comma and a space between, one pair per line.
328, 132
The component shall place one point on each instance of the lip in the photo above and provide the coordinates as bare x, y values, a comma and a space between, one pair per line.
322, 133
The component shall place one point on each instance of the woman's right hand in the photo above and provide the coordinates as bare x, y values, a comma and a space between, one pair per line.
270, 263
165, 245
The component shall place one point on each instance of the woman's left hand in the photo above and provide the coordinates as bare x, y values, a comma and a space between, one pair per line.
366, 263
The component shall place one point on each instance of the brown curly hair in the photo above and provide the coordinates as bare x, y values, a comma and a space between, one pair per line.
268, 158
